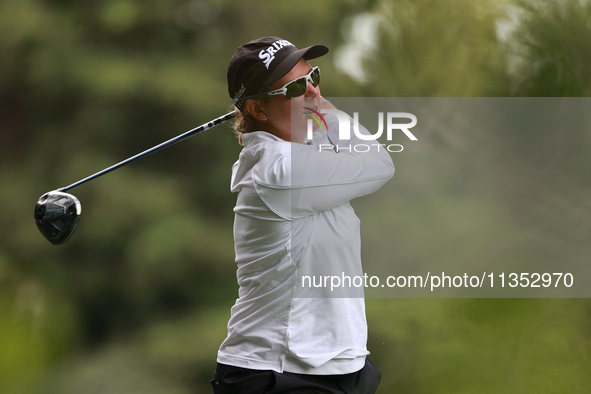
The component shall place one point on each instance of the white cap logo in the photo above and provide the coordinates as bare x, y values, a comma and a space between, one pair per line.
268, 55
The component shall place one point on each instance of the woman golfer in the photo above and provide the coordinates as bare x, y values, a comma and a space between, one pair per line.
293, 220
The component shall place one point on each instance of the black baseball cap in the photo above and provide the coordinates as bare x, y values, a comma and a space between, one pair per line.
263, 61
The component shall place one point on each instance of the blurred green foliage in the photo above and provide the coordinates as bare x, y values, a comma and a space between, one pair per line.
137, 301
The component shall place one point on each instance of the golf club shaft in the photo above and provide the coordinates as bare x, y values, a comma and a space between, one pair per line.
156, 148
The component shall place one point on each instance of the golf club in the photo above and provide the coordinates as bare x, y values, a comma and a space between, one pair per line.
57, 212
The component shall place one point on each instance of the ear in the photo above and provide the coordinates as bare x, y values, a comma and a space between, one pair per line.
256, 109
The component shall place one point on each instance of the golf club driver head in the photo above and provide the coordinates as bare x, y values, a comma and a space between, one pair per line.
56, 216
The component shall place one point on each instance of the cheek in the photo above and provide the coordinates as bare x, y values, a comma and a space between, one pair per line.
281, 111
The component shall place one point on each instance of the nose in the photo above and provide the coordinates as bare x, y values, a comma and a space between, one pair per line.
312, 91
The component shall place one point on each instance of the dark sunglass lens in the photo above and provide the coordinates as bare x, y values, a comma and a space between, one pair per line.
296, 88
316, 77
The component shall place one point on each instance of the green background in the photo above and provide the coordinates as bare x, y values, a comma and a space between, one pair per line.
137, 301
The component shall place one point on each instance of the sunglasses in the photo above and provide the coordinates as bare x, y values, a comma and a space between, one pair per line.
294, 88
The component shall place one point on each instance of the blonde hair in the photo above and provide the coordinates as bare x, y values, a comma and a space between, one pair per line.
244, 122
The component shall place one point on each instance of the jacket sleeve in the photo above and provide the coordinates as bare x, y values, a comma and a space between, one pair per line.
305, 179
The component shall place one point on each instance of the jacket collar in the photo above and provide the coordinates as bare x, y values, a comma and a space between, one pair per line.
257, 137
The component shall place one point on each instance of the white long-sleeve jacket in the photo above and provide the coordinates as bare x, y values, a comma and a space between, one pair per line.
293, 219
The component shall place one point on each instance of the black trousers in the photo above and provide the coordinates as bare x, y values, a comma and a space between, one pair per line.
235, 380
